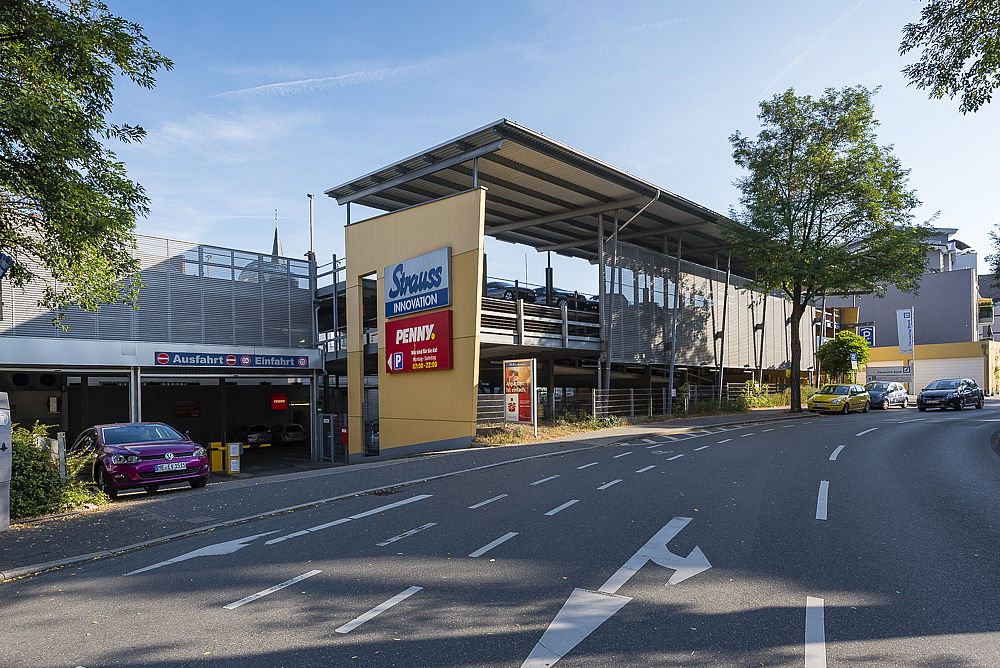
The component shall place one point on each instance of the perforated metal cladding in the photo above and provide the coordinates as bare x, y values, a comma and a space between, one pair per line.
192, 294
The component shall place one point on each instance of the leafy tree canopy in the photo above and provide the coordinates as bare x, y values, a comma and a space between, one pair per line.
961, 50
67, 208
835, 355
824, 208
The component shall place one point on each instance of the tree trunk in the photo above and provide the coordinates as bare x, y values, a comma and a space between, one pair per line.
796, 385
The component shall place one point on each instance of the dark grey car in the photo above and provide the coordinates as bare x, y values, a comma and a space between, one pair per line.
954, 393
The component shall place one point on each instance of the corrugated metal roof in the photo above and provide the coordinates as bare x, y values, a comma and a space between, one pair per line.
542, 193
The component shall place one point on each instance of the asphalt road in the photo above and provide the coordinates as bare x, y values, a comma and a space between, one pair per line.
861, 540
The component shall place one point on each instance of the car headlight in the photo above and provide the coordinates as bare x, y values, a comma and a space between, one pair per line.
953, 395
123, 459
838, 400
199, 451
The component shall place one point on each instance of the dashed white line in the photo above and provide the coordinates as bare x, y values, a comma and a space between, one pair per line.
702, 447
406, 534
815, 633
270, 590
483, 503
562, 507
836, 452
670, 459
377, 610
343, 520
489, 546
648, 440
771, 429
551, 477
622, 454
608, 484
725, 440
866, 431
912, 420
787, 426
586, 465
824, 489
745, 435
646, 468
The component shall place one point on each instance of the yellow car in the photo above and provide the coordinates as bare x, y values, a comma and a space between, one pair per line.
840, 399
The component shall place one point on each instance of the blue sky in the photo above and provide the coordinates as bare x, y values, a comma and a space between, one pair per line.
269, 101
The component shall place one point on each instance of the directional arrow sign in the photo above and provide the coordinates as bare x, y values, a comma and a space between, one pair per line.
585, 610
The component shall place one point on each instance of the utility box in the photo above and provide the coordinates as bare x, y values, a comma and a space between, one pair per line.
6, 457
233, 451
216, 457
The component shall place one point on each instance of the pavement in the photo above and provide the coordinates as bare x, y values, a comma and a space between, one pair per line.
140, 520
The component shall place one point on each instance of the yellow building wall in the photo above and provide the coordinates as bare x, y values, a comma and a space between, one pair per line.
419, 407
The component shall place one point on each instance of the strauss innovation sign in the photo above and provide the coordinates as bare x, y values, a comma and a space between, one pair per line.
418, 284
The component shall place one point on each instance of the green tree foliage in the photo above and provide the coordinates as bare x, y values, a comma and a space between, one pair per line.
961, 50
835, 355
824, 208
67, 208
994, 258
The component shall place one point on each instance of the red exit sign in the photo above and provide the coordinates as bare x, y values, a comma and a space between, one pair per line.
279, 401
420, 343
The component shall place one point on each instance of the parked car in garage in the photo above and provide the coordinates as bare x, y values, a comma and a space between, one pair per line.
954, 393
254, 435
884, 394
509, 291
573, 300
288, 434
141, 454
840, 398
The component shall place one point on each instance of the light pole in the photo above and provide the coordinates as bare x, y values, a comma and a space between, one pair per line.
312, 247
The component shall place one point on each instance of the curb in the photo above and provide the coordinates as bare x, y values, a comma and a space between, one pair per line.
35, 569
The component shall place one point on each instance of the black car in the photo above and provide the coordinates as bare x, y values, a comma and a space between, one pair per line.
573, 300
509, 291
885, 394
954, 393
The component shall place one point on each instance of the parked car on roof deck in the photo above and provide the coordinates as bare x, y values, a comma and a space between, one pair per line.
954, 393
885, 394
841, 398
573, 300
141, 454
509, 291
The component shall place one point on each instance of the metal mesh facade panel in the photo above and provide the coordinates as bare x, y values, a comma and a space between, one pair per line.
193, 294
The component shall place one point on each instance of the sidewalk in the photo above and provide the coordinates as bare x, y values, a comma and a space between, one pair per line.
138, 520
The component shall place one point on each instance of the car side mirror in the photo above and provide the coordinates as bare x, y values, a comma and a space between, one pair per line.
187, 434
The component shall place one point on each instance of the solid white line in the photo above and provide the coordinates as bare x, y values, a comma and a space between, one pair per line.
377, 610
815, 633
270, 590
551, 477
562, 507
406, 534
912, 420
824, 489
622, 454
483, 503
489, 546
836, 452
670, 459
608, 484
646, 468
725, 440
702, 448
586, 465
866, 431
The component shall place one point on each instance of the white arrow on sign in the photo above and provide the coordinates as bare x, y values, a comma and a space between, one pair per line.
585, 610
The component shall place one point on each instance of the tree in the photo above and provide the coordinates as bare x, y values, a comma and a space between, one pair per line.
67, 208
961, 50
994, 258
835, 354
824, 208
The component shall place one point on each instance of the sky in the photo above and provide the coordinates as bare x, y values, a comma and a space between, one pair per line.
270, 101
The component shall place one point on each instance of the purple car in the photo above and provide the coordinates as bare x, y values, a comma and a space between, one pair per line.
141, 454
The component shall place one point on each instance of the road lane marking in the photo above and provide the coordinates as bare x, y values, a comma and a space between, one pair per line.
836, 452
343, 520
672, 438
745, 435
489, 546
702, 447
911, 420
787, 426
648, 440
815, 633
377, 610
771, 429
608, 484
270, 590
670, 459
622, 454
824, 489
725, 440
539, 482
866, 431
586, 465
562, 507
406, 534
646, 468
483, 503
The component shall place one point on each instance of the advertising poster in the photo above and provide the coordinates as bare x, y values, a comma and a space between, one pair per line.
418, 343
904, 328
519, 391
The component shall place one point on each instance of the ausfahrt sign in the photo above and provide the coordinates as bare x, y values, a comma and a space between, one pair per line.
245, 360
418, 284
418, 343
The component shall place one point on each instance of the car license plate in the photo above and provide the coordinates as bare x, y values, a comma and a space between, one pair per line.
172, 466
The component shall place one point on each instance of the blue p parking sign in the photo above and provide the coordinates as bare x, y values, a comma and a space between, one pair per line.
867, 332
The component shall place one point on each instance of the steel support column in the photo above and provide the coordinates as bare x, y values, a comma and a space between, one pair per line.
673, 325
722, 337
601, 299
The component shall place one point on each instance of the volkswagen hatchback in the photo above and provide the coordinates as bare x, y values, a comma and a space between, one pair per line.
840, 399
141, 454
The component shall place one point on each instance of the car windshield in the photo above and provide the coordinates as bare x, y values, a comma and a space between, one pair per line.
139, 433
877, 387
834, 389
944, 385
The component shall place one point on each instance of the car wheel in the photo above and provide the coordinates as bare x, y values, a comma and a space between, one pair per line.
921, 408
979, 404
846, 409
198, 483
508, 295
152, 489
868, 407
906, 402
960, 405
104, 483
885, 403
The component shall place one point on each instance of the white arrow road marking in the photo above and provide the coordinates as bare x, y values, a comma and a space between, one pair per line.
824, 489
815, 633
406, 534
866, 431
483, 503
215, 550
343, 520
539, 482
377, 610
270, 590
584, 611
836, 452
489, 546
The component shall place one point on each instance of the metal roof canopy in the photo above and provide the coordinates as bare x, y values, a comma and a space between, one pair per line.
543, 194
